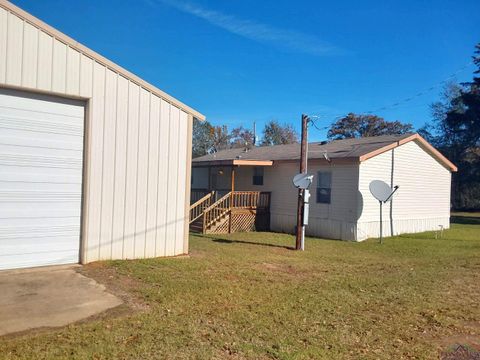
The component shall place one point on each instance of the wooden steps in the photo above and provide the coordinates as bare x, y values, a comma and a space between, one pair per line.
197, 225
234, 212
220, 226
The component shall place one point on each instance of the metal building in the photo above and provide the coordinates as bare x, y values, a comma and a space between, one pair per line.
94, 161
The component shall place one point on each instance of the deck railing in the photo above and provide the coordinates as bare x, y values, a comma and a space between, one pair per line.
217, 210
213, 210
251, 199
197, 209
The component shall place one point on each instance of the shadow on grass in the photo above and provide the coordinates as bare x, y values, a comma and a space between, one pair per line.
246, 242
465, 220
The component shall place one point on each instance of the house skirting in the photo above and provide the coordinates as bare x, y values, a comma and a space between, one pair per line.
371, 229
350, 231
317, 227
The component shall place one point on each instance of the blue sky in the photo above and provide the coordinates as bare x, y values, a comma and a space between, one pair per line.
239, 61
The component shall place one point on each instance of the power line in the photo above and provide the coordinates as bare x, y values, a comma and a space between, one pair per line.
400, 102
311, 121
423, 92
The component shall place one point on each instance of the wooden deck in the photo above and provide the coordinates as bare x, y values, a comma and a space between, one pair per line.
233, 212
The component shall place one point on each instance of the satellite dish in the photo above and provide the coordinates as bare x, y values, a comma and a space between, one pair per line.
302, 181
383, 193
380, 190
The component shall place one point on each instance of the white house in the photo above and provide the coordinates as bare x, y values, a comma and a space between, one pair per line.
341, 205
94, 161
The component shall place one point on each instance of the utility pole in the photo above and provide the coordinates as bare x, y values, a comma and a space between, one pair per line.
299, 242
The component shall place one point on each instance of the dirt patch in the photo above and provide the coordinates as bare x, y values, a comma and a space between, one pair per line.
124, 287
198, 254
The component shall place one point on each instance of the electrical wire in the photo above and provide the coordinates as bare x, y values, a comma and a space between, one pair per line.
311, 121
400, 102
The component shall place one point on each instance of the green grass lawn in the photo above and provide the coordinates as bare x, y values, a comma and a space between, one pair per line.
247, 296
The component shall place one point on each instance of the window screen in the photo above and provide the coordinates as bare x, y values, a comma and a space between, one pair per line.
324, 187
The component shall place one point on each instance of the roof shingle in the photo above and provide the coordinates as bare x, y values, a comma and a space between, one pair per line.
348, 148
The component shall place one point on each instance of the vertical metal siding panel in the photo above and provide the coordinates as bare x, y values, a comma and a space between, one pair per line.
136, 151
95, 152
182, 170
152, 177
162, 183
108, 153
188, 185
142, 174
59, 69
73, 72
120, 168
172, 175
3, 44
30, 53
44, 71
131, 176
14, 50
86, 70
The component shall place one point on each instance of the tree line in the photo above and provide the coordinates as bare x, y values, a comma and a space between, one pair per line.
454, 130
208, 138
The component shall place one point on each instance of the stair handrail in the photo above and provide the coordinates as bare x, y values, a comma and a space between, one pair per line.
216, 211
198, 208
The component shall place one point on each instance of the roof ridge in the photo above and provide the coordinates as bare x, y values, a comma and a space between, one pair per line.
353, 150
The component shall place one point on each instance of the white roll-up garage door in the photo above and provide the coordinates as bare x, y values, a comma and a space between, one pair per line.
41, 161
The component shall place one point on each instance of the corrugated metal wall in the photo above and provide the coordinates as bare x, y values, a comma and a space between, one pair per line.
138, 143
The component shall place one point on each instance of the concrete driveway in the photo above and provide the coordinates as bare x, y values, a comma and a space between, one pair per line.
49, 297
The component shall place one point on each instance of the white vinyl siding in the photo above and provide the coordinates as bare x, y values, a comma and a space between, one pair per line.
41, 163
138, 142
336, 220
422, 201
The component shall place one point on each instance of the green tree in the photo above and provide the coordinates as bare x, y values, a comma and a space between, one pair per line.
241, 137
220, 138
464, 120
438, 132
201, 138
207, 138
357, 125
455, 131
276, 134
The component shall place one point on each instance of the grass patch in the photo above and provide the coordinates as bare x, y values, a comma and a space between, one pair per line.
472, 218
247, 296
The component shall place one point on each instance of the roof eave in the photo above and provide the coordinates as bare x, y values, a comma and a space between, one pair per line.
415, 137
338, 160
232, 162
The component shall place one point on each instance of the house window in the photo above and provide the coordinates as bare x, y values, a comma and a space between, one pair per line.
258, 175
324, 187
